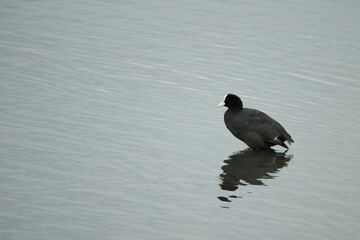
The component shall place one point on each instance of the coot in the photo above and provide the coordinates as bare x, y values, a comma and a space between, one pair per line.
251, 126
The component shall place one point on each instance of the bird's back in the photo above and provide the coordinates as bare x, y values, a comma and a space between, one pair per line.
254, 127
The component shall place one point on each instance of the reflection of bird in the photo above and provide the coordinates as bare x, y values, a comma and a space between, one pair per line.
251, 126
251, 167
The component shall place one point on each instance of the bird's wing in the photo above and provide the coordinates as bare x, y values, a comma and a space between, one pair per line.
263, 124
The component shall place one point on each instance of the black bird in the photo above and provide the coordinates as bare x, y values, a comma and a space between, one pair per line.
253, 127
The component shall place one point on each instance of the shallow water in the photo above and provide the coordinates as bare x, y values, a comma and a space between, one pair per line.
109, 125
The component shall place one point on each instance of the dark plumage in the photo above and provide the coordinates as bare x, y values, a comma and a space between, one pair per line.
251, 126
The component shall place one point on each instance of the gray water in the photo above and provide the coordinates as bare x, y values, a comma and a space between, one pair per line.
109, 125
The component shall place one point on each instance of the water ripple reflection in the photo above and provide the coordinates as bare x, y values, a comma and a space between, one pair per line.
250, 167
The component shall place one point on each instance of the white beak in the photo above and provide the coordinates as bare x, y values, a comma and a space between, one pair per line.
221, 104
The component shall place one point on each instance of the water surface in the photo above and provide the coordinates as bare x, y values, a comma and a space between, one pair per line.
109, 125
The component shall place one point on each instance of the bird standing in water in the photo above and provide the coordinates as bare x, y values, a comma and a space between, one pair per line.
253, 127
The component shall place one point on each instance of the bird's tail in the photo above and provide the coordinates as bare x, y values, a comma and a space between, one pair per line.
289, 139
